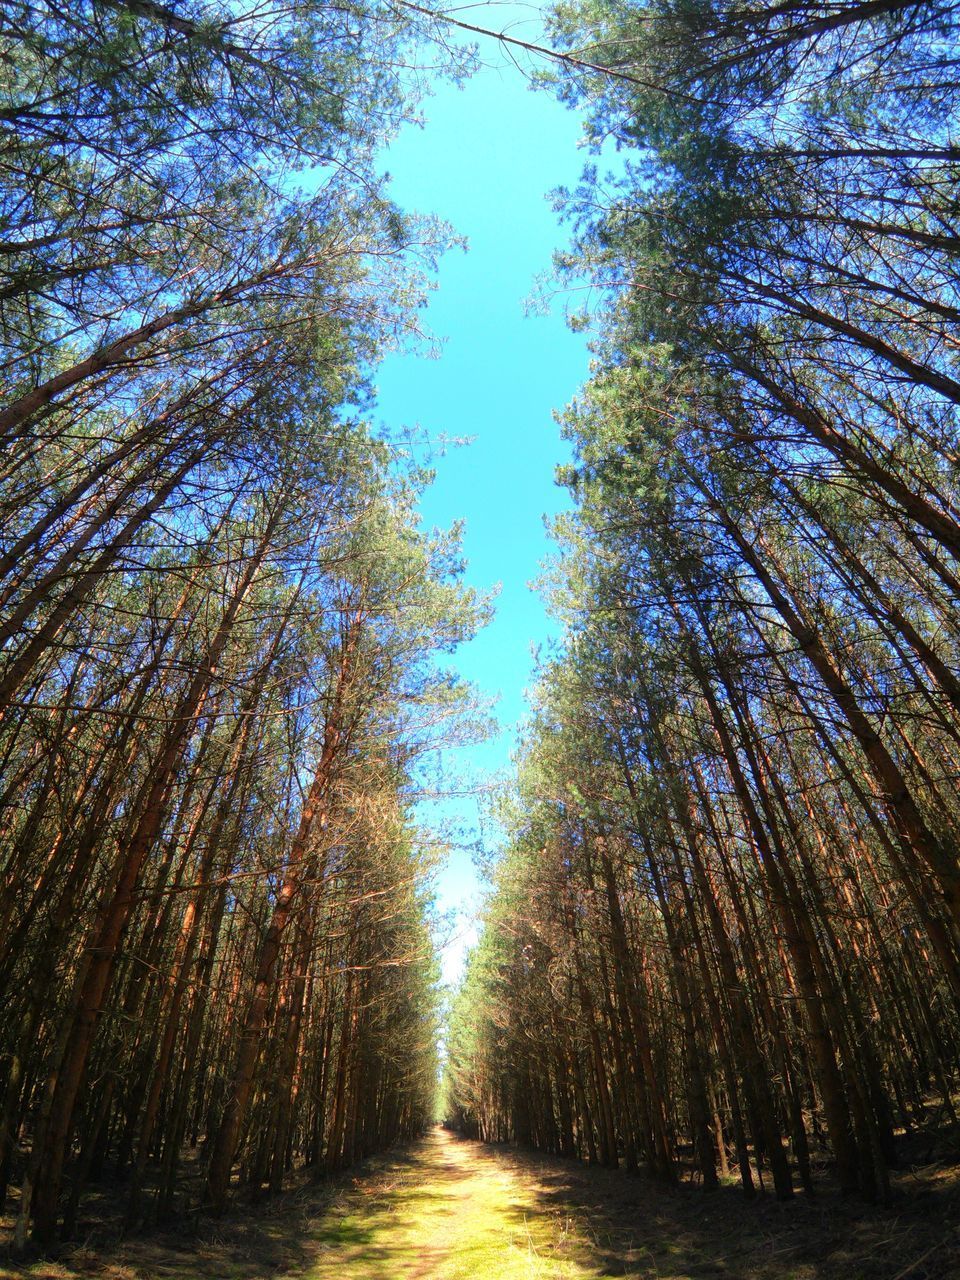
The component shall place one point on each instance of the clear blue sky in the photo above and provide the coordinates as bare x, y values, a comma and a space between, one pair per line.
485, 161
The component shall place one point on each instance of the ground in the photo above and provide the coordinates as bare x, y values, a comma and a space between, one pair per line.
449, 1209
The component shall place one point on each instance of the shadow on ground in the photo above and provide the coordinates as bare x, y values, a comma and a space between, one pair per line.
448, 1209
624, 1226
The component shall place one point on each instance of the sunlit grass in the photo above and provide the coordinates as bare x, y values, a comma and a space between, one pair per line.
450, 1214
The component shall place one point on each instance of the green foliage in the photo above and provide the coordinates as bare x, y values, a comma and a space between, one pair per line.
755, 697
223, 631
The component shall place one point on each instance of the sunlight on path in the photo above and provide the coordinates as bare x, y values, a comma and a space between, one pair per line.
448, 1212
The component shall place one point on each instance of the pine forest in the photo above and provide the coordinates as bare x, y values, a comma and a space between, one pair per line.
708, 1020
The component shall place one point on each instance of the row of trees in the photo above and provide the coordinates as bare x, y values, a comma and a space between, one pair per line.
221, 627
726, 929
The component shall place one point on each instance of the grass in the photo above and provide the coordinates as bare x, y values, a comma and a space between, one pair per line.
446, 1209
449, 1212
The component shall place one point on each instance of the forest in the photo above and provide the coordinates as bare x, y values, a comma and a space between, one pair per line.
725, 928
721, 944
223, 632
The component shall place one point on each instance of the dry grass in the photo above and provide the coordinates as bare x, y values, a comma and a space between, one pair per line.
453, 1210
628, 1228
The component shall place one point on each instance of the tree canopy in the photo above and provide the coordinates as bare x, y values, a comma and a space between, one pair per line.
728, 916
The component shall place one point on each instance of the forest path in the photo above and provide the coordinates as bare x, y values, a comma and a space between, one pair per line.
451, 1210
446, 1208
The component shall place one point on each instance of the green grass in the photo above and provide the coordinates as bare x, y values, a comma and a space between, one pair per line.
449, 1213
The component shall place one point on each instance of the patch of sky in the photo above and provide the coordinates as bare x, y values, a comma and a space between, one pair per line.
485, 160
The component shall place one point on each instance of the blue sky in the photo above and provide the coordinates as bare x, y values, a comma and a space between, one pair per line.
485, 161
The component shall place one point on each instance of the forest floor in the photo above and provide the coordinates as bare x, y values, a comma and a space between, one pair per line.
449, 1209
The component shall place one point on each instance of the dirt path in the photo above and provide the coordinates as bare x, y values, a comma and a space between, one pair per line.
449, 1212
